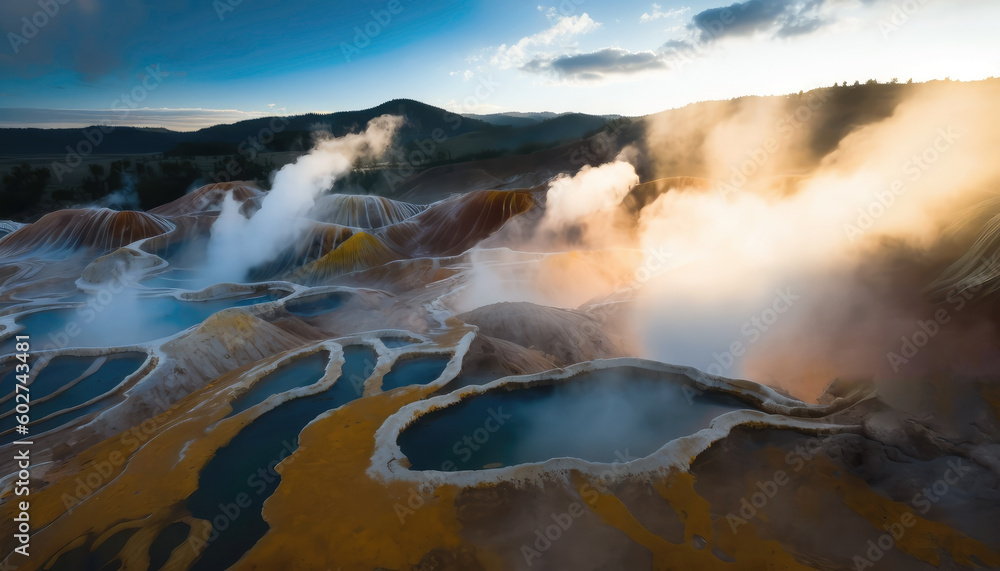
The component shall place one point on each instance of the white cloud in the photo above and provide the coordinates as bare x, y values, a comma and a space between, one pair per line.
466, 75
658, 13
564, 29
480, 108
597, 65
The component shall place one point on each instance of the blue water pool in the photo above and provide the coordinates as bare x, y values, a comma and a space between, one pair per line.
415, 371
606, 416
123, 320
298, 373
247, 464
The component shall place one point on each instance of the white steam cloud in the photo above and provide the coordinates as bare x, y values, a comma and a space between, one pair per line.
238, 244
580, 211
818, 263
593, 190
782, 286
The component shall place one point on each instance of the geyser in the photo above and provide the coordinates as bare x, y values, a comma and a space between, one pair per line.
238, 243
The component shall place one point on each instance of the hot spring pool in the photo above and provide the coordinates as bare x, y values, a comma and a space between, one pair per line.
313, 305
51, 396
299, 373
415, 370
610, 416
246, 465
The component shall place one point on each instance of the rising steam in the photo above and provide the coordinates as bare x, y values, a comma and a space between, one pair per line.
239, 244
795, 284
588, 195
580, 212
815, 254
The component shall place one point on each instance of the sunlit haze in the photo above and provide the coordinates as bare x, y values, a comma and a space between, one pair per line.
227, 60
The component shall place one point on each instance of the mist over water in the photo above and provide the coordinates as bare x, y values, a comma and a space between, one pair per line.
890, 189
793, 269
117, 314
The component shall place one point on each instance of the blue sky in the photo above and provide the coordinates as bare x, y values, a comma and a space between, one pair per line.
225, 60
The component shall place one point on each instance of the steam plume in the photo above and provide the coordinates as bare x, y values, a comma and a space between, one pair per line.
238, 244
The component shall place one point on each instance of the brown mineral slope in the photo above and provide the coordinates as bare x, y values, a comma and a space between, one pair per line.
99, 229
363, 211
564, 336
209, 198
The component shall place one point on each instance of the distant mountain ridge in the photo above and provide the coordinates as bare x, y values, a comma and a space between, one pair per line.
293, 133
454, 136
520, 119
282, 132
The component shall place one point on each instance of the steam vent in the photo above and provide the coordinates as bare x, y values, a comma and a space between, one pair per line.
604, 354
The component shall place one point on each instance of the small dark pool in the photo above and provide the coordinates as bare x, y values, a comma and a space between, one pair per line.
166, 541
51, 381
312, 306
103, 557
394, 342
414, 371
298, 373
